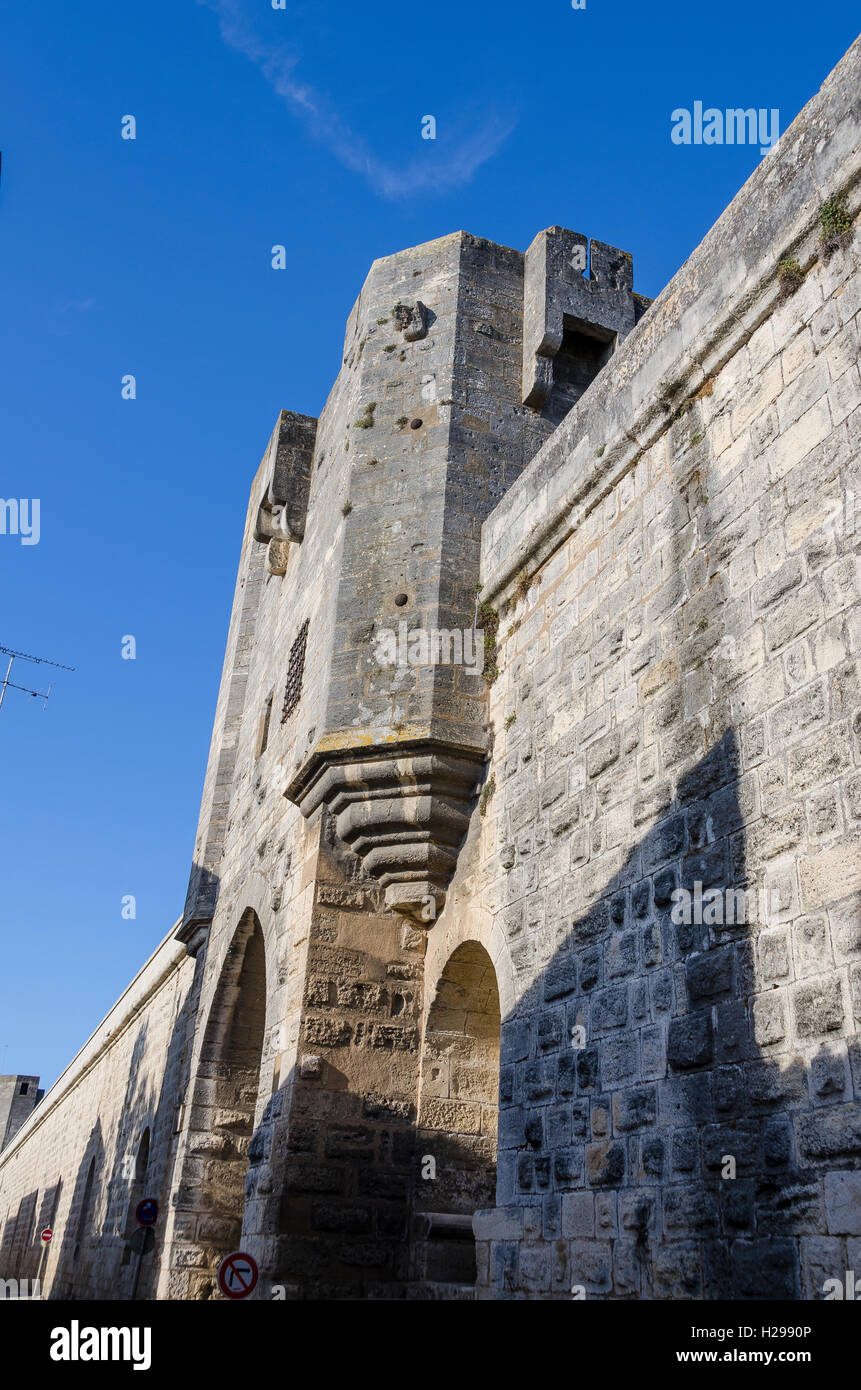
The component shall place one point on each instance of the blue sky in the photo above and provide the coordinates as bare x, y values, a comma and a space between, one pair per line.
255, 127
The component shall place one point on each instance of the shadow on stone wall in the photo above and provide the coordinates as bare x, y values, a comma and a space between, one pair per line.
361, 1222
92, 1258
618, 1145
622, 1133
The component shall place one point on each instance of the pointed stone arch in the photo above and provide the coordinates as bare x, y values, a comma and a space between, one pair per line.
458, 1105
85, 1211
137, 1183
224, 1104
134, 1261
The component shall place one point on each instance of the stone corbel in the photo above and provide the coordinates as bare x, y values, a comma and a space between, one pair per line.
412, 320
404, 811
287, 484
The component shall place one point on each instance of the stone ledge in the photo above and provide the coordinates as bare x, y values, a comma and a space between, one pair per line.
498, 1223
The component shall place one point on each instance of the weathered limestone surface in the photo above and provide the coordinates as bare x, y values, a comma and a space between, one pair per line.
124, 1089
678, 705
394, 1014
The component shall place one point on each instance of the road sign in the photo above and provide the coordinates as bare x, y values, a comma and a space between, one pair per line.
147, 1211
143, 1240
47, 1234
238, 1275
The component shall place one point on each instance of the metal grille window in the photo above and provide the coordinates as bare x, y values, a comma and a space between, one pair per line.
295, 667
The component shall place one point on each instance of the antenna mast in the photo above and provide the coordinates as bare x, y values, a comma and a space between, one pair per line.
25, 656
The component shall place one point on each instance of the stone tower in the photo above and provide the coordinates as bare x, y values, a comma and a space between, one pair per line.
18, 1097
460, 357
343, 787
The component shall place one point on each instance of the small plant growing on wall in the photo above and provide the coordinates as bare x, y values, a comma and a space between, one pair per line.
835, 222
489, 789
490, 626
366, 421
790, 276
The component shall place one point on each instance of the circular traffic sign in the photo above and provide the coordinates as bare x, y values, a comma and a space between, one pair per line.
238, 1275
47, 1235
147, 1211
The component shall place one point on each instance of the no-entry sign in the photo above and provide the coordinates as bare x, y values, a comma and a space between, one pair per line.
47, 1235
147, 1212
237, 1275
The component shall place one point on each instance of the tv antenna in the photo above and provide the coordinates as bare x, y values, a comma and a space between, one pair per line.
25, 656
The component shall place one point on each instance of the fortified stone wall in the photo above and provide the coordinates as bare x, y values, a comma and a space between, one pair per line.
381, 965
102, 1139
679, 708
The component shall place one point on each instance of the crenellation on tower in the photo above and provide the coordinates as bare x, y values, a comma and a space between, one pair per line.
573, 321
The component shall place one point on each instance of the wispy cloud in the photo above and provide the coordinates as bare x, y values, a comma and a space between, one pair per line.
61, 322
438, 172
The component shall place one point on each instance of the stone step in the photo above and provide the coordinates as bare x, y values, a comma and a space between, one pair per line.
432, 1292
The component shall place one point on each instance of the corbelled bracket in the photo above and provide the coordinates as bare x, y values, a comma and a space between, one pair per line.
405, 812
286, 487
411, 320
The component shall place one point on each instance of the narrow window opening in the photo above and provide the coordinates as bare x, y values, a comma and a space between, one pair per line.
263, 739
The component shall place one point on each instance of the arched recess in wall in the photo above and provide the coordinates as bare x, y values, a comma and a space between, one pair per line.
458, 1105
226, 1094
48, 1217
81, 1231
137, 1191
